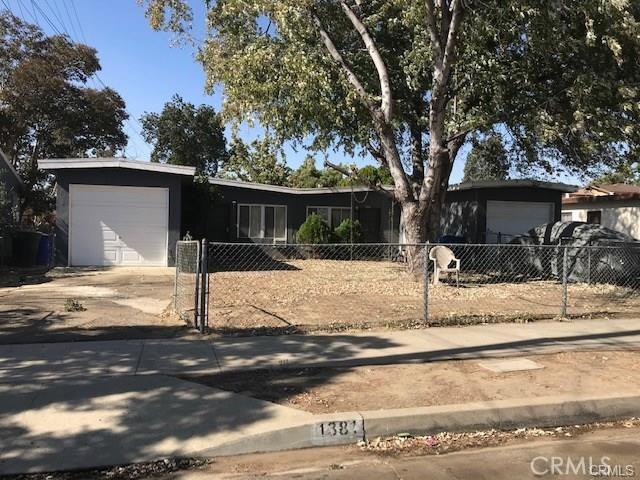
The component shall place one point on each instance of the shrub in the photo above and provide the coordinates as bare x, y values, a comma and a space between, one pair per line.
73, 305
348, 231
314, 230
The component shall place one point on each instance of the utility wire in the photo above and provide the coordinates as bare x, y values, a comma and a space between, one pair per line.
128, 124
77, 17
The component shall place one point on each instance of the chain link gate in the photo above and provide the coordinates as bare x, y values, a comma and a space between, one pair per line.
277, 287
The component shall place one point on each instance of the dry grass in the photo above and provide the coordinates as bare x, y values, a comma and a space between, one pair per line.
329, 295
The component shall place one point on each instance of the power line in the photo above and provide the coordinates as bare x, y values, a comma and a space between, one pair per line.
66, 9
46, 18
75, 13
56, 15
128, 125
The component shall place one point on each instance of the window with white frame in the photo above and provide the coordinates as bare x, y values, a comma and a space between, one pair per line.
262, 221
332, 215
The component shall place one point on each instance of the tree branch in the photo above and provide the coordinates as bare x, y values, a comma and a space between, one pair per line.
346, 67
433, 31
381, 123
417, 161
378, 61
449, 56
352, 174
377, 154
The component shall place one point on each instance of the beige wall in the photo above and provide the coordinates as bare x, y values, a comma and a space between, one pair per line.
621, 216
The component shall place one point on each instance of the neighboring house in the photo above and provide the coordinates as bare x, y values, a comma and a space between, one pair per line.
615, 206
10, 189
123, 212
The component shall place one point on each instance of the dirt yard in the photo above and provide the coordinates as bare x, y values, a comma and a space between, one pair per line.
328, 390
328, 295
83, 304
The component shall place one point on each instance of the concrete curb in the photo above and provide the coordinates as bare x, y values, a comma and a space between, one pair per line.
350, 427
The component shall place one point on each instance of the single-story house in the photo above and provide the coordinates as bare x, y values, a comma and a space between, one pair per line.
112, 211
123, 212
615, 206
10, 188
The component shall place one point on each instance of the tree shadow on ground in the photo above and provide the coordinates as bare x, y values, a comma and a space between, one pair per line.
22, 325
80, 405
46, 423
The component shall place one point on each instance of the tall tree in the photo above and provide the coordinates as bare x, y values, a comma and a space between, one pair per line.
46, 109
625, 172
410, 80
261, 162
183, 134
308, 176
487, 160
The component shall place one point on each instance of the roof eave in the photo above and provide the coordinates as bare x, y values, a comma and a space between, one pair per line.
561, 187
293, 190
15, 174
616, 197
92, 163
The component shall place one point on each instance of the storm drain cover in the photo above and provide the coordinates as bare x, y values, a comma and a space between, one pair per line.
503, 365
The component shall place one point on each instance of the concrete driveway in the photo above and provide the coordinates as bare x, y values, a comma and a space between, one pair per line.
119, 303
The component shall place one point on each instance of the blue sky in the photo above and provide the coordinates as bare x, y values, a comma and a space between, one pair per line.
142, 65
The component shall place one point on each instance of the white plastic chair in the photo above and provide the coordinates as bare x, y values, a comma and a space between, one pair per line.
442, 257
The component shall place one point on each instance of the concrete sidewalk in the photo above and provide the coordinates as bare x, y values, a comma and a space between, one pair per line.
80, 360
87, 404
125, 419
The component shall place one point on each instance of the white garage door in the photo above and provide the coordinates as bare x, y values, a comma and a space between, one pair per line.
515, 218
113, 225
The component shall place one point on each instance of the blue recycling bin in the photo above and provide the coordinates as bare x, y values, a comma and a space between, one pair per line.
43, 257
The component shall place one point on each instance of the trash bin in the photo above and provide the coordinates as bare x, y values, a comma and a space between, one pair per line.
43, 257
25, 248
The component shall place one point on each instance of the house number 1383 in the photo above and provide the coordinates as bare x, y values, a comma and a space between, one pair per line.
338, 428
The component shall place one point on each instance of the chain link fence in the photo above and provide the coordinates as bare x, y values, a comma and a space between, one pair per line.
292, 288
187, 281
271, 289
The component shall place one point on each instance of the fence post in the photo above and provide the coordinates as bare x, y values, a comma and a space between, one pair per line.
589, 264
175, 283
203, 285
565, 267
196, 290
425, 275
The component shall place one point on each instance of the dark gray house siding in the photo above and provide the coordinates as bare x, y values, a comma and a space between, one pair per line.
192, 209
465, 211
378, 216
117, 177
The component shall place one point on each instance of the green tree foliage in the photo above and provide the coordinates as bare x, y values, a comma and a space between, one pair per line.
46, 109
261, 162
313, 231
370, 175
626, 172
348, 232
308, 176
487, 160
409, 81
183, 134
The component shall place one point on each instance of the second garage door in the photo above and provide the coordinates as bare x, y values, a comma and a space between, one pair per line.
114, 225
507, 219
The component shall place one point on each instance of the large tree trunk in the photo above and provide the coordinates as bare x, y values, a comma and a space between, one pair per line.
413, 220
